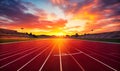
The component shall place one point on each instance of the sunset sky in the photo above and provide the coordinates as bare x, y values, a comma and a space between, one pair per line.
60, 17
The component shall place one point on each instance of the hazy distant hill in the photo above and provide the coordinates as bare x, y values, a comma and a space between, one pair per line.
107, 35
6, 33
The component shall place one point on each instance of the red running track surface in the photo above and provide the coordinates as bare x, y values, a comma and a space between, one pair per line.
59, 54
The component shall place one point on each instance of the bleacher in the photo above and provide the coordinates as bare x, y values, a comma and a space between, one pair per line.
107, 35
5, 33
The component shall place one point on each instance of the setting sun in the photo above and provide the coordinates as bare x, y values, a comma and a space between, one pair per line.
59, 17
60, 34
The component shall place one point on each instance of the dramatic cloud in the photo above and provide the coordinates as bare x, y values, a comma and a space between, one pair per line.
68, 16
16, 14
97, 13
14, 11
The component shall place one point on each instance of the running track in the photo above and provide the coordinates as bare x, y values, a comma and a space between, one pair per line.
59, 54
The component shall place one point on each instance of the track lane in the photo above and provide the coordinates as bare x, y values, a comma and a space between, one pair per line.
90, 56
7, 64
37, 61
21, 52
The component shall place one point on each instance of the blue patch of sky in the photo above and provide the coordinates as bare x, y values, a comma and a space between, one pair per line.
47, 6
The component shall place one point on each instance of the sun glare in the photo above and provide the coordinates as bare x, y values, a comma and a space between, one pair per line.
60, 34
60, 43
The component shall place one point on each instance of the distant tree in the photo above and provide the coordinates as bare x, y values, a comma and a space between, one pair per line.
84, 34
67, 35
30, 33
76, 35
26, 33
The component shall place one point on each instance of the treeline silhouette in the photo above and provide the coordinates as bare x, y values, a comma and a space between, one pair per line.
106, 35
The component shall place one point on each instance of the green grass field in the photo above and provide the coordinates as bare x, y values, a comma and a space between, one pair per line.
3, 40
13, 40
7, 40
104, 40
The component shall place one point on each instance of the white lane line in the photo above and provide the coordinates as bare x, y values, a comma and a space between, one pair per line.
31, 60
18, 59
14, 51
6, 52
102, 56
60, 59
105, 53
10, 52
77, 62
80, 66
66, 54
46, 59
98, 60
16, 54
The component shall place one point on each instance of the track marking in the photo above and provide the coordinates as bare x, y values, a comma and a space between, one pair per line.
79, 52
10, 52
16, 54
15, 43
60, 59
7, 52
18, 49
31, 60
93, 50
102, 56
46, 59
18, 58
65, 54
97, 60
77, 61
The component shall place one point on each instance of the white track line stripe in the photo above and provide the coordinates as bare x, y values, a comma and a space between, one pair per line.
60, 58
18, 50
10, 52
18, 58
97, 60
65, 54
5, 52
46, 59
93, 50
102, 56
16, 54
32, 59
77, 62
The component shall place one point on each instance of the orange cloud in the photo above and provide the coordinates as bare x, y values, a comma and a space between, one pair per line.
81, 16
58, 2
38, 27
